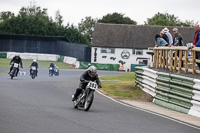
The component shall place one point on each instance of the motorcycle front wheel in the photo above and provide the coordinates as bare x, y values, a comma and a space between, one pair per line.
89, 101
12, 73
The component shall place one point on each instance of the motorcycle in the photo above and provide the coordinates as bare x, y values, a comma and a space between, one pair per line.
56, 71
33, 72
85, 99
51, 71
13, 72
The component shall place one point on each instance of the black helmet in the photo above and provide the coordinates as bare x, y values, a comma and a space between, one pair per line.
92, 71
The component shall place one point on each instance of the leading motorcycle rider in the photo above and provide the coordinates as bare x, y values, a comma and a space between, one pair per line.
15, 59
89, 75
35, 64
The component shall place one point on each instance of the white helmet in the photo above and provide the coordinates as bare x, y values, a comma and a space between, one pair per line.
34, 60
92, 71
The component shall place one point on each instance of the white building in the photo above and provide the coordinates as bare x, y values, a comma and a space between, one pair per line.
120, 55
117, 44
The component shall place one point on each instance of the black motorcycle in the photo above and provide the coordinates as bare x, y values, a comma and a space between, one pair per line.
13, 72
85, 99
51, 71
33, 72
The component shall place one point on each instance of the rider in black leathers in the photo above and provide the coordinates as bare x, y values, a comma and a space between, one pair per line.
89, 75
18, 60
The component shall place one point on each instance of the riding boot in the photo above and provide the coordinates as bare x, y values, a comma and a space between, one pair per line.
78, 91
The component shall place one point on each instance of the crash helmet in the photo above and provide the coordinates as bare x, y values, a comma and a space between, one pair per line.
89, 65
92, 71
34, 60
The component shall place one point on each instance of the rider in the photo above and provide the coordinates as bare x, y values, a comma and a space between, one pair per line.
89, 75
35, 64
52, 65
15, 59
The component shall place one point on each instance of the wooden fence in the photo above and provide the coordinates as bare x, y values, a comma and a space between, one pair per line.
176, 59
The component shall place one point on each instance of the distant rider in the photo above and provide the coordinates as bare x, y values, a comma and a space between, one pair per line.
35, 64
52, 65
89, 75
15, 59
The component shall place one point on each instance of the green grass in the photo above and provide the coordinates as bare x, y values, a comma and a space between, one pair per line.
122, 89
42, 64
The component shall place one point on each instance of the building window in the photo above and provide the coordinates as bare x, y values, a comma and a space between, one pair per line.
133, 51
108, 50
139, 52
143, 62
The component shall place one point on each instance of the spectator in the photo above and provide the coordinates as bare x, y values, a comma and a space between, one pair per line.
197, 42
166, 31
164, 36
160, 42
178, 41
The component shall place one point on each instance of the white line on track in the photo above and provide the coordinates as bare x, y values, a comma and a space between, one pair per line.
196, 127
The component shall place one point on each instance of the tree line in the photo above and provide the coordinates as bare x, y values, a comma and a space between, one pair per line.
34, 20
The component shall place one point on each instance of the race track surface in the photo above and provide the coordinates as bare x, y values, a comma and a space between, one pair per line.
43, 105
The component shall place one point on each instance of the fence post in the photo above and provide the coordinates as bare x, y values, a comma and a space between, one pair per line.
194, 62
167, 54
160, 59
180, 60
186, 61
175, 60
154, 63
171, 59
163, 65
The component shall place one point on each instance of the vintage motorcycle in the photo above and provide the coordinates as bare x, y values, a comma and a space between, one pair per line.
13, 72
33, 72
53, 71
85, 99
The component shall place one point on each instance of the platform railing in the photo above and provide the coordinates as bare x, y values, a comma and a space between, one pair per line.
172, 58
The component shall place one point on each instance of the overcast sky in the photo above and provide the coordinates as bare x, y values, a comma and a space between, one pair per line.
139, 10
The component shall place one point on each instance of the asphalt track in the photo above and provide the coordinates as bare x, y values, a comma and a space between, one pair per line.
44, 105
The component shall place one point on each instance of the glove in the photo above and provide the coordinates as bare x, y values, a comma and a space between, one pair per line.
99, 86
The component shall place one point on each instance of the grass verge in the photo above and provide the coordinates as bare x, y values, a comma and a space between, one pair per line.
42, 64
123, 87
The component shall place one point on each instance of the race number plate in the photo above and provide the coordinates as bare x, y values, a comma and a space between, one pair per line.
92, 85
16, 65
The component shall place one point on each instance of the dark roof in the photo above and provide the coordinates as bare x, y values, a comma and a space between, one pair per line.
132, 36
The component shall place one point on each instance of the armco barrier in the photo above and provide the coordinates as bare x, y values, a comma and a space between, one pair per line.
172, 91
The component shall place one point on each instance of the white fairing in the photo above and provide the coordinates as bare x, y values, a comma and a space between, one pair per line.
16, 65
92, 85
33, 68
50, 68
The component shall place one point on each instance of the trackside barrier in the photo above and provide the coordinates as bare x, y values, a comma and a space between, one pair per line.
44, 57
110, 67
172, 91
3, 55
